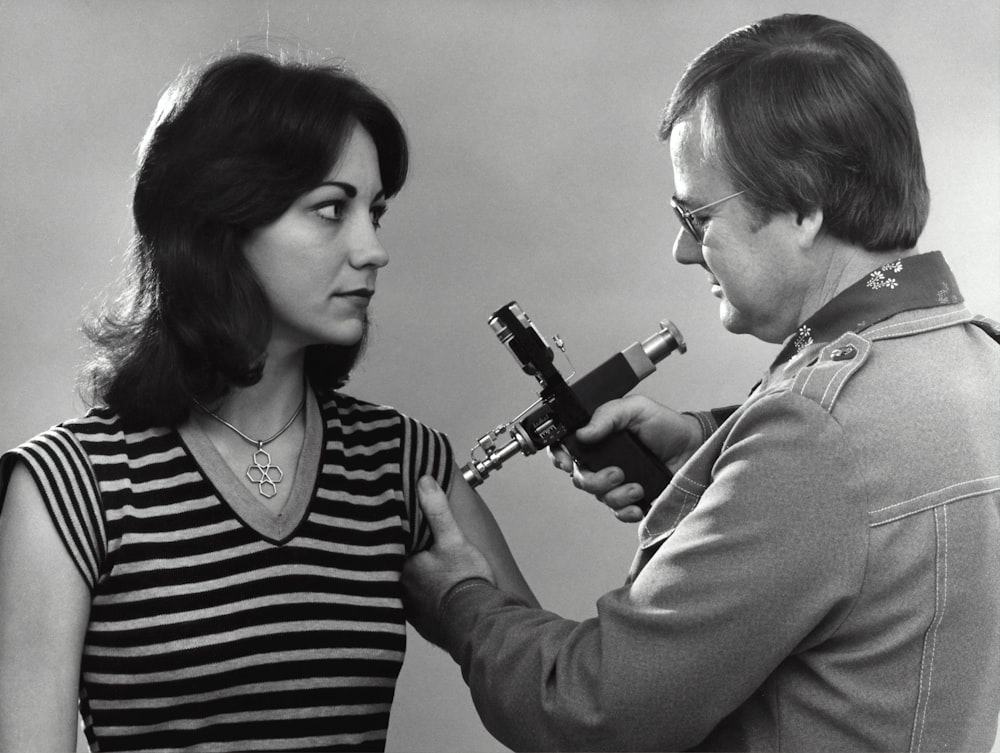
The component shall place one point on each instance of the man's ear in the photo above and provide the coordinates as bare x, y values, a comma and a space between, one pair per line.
809, 224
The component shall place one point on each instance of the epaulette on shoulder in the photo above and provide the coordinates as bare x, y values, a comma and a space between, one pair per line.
988, 326
822, 380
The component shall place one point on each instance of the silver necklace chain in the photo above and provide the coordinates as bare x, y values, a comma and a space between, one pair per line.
261, 470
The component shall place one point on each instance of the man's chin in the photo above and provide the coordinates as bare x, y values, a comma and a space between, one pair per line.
732, 320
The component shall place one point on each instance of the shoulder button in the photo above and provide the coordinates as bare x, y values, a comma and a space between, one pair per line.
838, 363
843, 354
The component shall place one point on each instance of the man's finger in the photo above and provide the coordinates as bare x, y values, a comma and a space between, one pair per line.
630, 514
561, 459
434, 503
609, 417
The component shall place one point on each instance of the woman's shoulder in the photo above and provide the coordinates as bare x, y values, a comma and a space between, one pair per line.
99, 420
96, 420
104, 424
100, 431
348, 409
354, 409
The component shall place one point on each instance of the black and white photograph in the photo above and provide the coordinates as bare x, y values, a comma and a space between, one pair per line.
487, 375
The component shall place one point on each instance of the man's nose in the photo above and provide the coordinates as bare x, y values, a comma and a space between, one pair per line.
686, 249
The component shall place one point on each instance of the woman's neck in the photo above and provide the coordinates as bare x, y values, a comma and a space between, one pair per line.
261, 409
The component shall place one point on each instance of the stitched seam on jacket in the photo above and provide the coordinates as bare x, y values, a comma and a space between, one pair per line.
682, 512
681, 479
952, 317
940, 602
704, 424
943, 496
465, 585
836, 380
835, 383
867, 567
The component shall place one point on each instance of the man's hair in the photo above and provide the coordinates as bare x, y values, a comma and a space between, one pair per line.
804, 112
230, 148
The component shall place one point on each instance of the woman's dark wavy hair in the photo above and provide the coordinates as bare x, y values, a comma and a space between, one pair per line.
804, 113
229, 149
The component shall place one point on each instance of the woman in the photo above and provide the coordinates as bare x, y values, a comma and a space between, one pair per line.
210, 557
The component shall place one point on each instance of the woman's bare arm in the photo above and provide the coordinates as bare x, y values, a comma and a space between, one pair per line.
481, 529
45, 607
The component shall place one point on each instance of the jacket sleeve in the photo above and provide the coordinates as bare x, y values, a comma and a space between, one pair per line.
765, 565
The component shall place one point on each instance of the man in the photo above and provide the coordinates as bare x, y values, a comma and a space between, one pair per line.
822, 572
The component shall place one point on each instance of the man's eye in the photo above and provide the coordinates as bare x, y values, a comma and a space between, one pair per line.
333, 212
699, 221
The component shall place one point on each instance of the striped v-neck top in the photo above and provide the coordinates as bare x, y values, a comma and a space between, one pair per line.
213, 628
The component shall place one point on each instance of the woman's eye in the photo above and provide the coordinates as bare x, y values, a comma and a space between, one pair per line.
334, 211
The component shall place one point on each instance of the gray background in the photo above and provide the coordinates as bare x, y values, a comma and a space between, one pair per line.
536, 176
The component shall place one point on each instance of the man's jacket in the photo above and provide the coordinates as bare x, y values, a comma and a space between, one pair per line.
821, 575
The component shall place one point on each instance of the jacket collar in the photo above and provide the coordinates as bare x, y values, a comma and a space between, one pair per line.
913, 282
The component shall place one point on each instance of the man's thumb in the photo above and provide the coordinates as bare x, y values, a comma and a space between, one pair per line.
435, 506
606, 419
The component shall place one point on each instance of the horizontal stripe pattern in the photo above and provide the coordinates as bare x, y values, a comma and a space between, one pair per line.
60, 469
202, 632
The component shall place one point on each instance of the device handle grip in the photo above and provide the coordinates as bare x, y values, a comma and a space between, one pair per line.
613, 379
624, 450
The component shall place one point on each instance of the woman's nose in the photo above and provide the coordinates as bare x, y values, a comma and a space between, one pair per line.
367, 249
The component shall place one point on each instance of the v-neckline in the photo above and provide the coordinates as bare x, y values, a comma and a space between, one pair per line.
276, 527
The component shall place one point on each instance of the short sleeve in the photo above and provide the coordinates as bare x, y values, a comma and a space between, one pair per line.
64, 476
426, 452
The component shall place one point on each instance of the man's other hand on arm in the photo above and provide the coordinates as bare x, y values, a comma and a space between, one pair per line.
429, 576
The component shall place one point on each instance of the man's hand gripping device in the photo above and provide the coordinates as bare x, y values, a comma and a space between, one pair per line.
565, 408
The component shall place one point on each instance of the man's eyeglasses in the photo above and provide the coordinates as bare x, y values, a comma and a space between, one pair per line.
690, 221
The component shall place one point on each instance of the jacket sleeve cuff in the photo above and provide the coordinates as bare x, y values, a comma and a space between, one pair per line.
462, 607
710, 420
